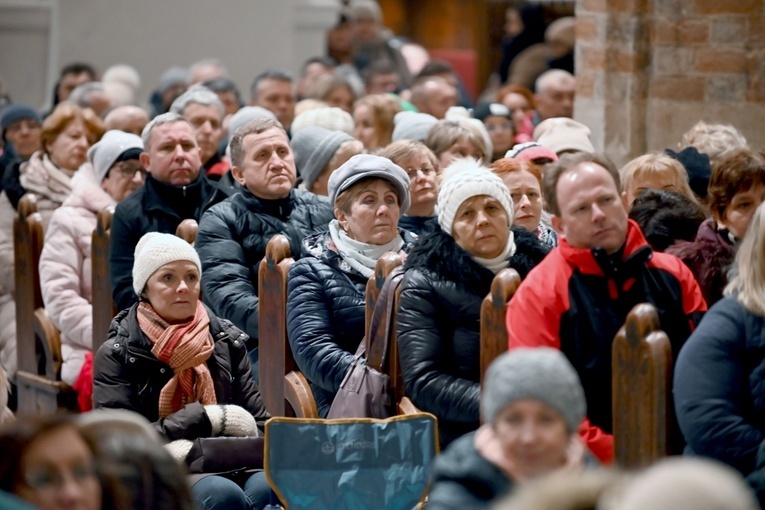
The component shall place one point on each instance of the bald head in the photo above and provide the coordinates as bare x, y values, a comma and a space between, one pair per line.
130, 119
434, 95
555, 94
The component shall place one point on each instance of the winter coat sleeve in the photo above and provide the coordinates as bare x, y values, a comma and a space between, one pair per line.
113, 389
713, 400
61, 265
228, 286
309, 328
533, 314
421, 337
122, 242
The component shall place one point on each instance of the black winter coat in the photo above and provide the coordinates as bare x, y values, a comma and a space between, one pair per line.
439, 326
156, 207
325, 315
126, 375
464, 480
232, 240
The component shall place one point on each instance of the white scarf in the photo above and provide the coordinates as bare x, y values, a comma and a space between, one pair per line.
39, 175
501, 261
361, 256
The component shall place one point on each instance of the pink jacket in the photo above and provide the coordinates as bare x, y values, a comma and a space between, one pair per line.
65, 269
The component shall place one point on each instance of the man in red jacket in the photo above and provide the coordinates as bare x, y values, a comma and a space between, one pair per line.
578, 297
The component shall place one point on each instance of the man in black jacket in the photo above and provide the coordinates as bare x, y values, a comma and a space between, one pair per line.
233, 235
175, 190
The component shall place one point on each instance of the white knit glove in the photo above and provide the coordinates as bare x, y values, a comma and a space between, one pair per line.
179, 449
231, 420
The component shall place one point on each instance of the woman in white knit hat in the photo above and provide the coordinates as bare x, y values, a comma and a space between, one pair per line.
110, 175
171, 360
448, 273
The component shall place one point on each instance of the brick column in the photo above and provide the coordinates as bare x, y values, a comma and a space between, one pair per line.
647, 70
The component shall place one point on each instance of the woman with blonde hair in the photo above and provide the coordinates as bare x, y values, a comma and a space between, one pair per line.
451, 139
373, 116
723, 416
655, 171
335, 90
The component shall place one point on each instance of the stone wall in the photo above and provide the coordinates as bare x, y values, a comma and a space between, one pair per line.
647, 70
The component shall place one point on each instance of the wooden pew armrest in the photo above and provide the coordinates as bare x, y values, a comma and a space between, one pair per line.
50, 340
298, 394
405, 406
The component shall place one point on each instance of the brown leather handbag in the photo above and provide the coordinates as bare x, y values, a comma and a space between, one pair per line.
366, 391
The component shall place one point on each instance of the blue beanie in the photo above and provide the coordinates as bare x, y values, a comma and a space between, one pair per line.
14, 112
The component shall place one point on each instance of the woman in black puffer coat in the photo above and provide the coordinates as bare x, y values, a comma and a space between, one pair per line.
448, 273
326, 289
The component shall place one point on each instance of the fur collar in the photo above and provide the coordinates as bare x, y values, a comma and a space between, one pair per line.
437, 253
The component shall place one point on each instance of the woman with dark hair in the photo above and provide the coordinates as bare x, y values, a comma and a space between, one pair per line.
326, 289
448, 273
48, 463
666, 217
736, 189
169, 359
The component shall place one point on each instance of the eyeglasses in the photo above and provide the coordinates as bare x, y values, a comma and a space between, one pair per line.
128, 169
49, 478
426, 171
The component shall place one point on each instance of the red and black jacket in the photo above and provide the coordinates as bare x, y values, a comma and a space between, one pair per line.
577, 299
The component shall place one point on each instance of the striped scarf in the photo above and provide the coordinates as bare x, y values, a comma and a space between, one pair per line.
185, 348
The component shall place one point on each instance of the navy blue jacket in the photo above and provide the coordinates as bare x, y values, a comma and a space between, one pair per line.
719, 386
325, 315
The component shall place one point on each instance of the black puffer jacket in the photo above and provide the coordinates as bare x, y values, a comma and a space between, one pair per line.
325, 315
155, 207
232, 241
126, 375
439, 326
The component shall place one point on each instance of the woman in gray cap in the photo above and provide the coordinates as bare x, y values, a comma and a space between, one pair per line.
531, 405
448, 273
326, 289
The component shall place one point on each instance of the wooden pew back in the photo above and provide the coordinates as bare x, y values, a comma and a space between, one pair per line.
104, 309
494, 340
641, 382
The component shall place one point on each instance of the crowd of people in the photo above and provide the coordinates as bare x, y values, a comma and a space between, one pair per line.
369, 151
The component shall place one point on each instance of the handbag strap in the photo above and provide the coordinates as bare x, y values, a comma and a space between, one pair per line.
382, 317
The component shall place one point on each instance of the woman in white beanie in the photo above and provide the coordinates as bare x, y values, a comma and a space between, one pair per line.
448, 273
326, 289
110, 175
171, 360
532, 404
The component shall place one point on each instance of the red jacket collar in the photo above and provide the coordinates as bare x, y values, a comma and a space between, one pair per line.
583, 259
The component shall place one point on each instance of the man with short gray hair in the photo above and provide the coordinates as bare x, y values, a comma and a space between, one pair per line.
175, 190
205, 111
233, 235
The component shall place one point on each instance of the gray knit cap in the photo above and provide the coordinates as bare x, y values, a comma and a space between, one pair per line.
112, 146
314, 147
412, 126
542, 374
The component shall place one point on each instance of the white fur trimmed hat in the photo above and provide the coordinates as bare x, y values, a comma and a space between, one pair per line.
466, 178
154, 250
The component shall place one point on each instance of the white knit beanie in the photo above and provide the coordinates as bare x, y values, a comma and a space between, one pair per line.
103, 154
154, 250
466, 178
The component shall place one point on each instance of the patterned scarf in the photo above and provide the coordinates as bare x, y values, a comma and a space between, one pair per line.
185, 348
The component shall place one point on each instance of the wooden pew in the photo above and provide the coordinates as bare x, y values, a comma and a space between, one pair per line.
494, 339
641, 382
104, 309
284, 389
38, 344
187, 230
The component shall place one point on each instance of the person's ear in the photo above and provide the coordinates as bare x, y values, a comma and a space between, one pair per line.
557, 224
145, 160
341, 219
238, 174
624, 201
